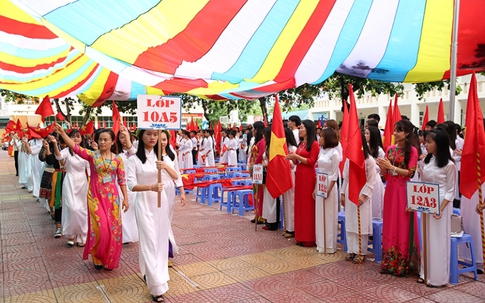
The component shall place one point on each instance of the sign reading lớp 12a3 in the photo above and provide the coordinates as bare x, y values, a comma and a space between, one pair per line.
159, 112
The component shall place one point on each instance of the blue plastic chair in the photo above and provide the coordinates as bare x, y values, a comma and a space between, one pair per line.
376, 240
455, 262
342, 236
240, 201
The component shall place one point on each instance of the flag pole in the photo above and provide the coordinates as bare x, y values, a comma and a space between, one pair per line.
159, 171
454, 59
425, 247
480, 201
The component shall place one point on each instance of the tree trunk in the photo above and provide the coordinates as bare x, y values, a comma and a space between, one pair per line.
68, 110
86, 116
262, 103
204, 107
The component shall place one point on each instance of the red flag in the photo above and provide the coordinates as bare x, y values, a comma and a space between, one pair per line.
87, 129
38, 132
124, 122
278, 176
218, 136
11, 126
388, 139
45, 108
173, 138
425, 118
19, 127
265, 121
441, 112
473, 155
116, 120
344, 132
354, 152
49, 129
396, 111
60, 116
319, 125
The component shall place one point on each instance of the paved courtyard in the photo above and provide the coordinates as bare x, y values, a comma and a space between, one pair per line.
222, 259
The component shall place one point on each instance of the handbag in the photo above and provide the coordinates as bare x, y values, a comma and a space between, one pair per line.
457, 229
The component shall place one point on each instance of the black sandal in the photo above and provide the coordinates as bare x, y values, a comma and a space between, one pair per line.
420, 280
350, 257
159, 298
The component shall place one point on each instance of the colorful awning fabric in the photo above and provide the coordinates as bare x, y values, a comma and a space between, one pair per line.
221, 49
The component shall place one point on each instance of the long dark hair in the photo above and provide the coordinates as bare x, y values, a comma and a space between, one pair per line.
375, 141
267, 139
441, 138
259, 128
114, 148
365, 148
290, 138
411, 139
451, 133
311, 133
140, 152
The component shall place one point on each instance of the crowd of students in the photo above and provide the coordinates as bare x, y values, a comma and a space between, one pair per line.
102, 193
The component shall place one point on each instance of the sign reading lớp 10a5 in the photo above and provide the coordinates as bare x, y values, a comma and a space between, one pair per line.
159, 112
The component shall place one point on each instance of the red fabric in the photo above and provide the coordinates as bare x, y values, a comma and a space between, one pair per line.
217, 135
441, 113
11, 126
396, 111
354, 152
425, 118
87, 129
60, 116
305, 180
257, 158
344, 132
38, 132
45, 108
473, 155
116, 120
389, 130
19, 127
278, 176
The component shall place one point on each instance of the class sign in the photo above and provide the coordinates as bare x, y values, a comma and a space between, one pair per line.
257, 174
159, 112
322, 184
423, 197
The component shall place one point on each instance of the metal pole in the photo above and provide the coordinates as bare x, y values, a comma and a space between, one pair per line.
454, 57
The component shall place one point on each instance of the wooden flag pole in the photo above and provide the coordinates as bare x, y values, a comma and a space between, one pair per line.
425, 247
159, 171
360, 235
480, 201
256, 207
324, 229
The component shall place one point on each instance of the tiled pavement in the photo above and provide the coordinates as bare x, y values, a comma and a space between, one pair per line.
222, 259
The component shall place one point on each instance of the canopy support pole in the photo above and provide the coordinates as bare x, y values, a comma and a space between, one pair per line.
454, 59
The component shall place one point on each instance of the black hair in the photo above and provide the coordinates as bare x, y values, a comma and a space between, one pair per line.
295, 119
140, 152
375, 141
375, 117
365, 148
232, 133
451, 133
431, 123
443, 155
83, 142
372, 123
411, 139
114, 147
290, 138
311, 133
259, 128
267, 138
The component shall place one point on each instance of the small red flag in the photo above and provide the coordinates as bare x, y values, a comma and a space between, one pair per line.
87, 129
441, 113
116, 120
387, 139
396, 111
425, 118
473, 155
11, 126
344, 134
60, 116
354, 152
19, 127
278, 177
45, 108
173, 138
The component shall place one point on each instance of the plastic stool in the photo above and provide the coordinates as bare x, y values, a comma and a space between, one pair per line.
457, 211
455, 262
214, 193
376, 240
341, 237
201, 194
240, 201
228, 202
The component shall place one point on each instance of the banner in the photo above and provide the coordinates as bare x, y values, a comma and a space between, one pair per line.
322, 184
159, 112
423, 197
258, 174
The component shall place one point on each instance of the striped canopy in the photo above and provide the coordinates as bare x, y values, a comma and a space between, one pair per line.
228, 49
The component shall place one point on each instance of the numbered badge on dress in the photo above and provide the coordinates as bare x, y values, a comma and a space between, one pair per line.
106, 179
